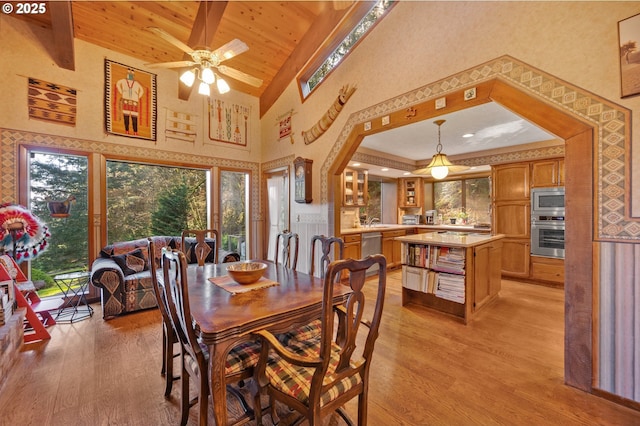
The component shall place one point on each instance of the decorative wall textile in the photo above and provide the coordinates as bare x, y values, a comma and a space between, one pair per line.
52, 102
130, 101
284, 126
329, 117
229, 122
180, 125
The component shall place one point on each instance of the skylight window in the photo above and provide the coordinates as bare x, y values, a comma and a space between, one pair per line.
377, 12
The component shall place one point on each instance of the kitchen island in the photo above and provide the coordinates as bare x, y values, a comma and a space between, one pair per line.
451, 273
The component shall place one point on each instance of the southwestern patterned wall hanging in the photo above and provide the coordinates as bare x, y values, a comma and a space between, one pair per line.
52, 102
329, 117
130, 101
229, 122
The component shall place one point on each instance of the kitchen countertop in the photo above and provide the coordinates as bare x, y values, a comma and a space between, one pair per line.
392, 227
449, 240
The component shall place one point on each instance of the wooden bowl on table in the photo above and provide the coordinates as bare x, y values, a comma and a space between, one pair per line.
246, 272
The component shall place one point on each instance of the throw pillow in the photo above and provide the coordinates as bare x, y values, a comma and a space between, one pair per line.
131, 262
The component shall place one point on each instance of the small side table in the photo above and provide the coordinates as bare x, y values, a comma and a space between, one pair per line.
75, 306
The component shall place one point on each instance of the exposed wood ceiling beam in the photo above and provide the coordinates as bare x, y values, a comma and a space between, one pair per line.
342, 21
62, 28
204, 28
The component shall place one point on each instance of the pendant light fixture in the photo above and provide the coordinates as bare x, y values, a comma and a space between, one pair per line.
440, 166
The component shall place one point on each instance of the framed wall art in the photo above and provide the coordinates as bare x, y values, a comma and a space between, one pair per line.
229, 122
629, 43
130, 101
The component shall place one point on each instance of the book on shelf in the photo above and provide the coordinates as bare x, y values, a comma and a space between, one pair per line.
431, 282
450, 259
450, 287
418, 255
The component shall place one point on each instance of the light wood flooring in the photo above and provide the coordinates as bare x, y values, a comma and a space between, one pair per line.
504, 368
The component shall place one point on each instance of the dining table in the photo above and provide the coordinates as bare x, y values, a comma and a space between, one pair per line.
224, 317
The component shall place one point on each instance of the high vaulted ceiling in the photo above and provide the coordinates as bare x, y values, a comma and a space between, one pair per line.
281, 35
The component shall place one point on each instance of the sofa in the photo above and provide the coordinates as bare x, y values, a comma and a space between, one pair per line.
122, 274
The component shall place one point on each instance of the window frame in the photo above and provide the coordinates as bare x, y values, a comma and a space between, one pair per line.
351, 20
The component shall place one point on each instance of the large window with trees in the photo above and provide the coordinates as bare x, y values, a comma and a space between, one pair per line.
463, 201
144, 200
63, 180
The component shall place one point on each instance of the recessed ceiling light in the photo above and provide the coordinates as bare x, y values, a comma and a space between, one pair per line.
356, 164
384, 169
467, 135
406, 173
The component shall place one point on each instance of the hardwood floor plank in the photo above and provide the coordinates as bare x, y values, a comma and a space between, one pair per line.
504, 368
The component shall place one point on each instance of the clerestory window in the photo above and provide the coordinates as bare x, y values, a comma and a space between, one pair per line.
313, 76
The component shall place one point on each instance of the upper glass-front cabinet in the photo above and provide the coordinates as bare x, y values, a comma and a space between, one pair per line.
355, 188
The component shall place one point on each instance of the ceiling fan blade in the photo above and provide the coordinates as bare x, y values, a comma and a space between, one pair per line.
171, 39
231, 49
239, 75
177, 64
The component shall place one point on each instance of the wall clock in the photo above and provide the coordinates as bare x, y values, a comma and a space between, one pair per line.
302, 179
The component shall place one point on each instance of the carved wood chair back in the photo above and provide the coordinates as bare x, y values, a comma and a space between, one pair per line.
287, 249
201, 250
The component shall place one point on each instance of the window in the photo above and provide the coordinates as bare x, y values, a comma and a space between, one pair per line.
463, 200
60, 179
312, 77
234, 202
145, 200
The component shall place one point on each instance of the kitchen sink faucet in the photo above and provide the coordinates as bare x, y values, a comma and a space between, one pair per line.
369, 222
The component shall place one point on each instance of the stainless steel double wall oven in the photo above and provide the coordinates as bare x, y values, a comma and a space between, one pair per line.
547, 222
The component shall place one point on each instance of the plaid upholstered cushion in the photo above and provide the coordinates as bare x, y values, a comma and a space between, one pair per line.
240, 358
296, 381
307, 332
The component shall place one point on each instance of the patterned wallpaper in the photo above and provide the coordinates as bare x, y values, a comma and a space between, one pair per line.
611, 122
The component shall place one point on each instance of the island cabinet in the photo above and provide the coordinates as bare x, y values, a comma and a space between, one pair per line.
453, 274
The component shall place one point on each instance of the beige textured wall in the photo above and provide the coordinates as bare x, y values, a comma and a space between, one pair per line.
423, 42
24, 54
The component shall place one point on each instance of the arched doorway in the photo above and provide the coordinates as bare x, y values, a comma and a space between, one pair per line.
533, 101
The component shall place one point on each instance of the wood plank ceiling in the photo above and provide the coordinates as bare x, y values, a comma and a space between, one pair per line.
282, 35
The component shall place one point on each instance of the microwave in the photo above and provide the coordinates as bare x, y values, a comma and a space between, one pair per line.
547, 201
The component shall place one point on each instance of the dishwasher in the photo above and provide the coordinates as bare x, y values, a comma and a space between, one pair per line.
371, 244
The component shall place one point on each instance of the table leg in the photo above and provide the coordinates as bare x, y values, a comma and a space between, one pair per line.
217, 382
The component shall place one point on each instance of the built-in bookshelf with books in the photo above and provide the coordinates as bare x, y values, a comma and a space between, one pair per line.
455, 274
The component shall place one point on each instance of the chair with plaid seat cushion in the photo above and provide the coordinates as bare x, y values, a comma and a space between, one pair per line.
205, 247
331, 248
287, 249
240, 362
169, 336
317, 377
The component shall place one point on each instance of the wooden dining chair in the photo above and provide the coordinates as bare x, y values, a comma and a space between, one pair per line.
326, 245
287, 249
169, 337
312, 329
318, 377
202, 249
240, 362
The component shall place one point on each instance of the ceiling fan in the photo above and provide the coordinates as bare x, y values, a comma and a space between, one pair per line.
204, 62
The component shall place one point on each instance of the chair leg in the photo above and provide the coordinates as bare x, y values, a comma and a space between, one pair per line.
345, 416
163, 371
257, 404
184, 396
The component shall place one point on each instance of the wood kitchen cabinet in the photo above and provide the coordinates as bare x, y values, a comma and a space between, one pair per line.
409, 192
486, 272
547, 269
391, 248
352, 246
511, 216
510, 182
547, 173
354, 190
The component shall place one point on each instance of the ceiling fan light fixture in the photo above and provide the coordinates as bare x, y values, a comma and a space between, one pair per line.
223, 87
207, 75
204, 89
188, 78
